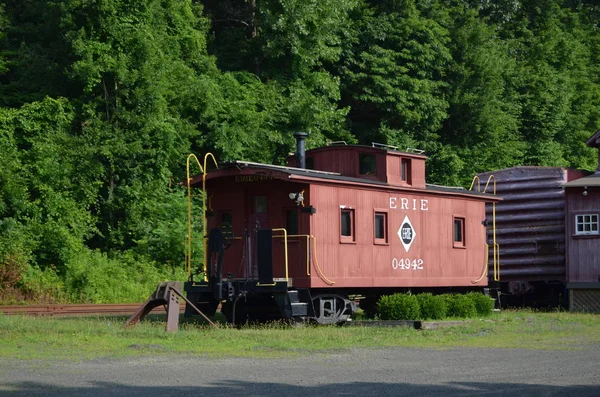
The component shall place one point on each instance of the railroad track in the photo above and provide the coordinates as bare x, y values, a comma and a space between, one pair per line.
76, 310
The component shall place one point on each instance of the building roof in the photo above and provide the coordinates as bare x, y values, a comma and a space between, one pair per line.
587, 181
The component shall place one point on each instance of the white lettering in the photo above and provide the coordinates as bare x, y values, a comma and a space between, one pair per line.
404, 202
407, 264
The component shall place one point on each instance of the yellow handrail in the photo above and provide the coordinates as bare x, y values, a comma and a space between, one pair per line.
319, 271
204, 219
307, 249
285, 254
496, 249
285, 250
497, 262
496, 246
476, 178
485, 267
314, 255
189, 188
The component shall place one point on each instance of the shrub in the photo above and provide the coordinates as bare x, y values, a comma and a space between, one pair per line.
94, 277
460, 306
484, 305
43, 285
12, 268
433, 307
399, 307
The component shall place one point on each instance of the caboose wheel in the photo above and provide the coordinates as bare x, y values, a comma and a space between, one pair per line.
332, 309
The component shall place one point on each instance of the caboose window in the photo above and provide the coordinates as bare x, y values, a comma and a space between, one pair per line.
347, 225
260, 204
459, 232
587, 224
405, 171
226, 219
367, 165
380, 228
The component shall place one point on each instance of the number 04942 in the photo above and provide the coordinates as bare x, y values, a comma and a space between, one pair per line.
407, 264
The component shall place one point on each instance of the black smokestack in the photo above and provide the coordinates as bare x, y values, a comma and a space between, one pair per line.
300, 149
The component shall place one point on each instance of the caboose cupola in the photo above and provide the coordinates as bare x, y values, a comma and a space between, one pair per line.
381, 163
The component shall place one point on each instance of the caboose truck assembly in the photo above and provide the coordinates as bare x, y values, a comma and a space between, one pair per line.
296, 242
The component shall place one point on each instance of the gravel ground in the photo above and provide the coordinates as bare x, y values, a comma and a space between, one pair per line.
361, 372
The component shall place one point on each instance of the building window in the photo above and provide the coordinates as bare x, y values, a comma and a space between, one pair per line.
405, 171
459, 232
367, 165
586, 224
381, 228
291, 221
347, 225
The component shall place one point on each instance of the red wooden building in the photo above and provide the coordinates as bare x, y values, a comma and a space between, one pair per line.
358, 219
583, 238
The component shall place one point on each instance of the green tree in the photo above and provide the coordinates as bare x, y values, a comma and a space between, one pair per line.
393, 74
557, 86
35, 53
48, 183
286, 49
136, 63
3, 28
483, 123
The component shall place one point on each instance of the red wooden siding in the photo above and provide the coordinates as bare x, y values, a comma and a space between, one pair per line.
345, 160
583, 251
363, 263
394, 176
235, 196
427, 258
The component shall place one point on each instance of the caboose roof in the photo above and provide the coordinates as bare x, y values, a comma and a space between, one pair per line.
375, 148
314, 176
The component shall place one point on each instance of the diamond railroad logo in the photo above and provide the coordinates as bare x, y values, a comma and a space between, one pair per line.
407, 233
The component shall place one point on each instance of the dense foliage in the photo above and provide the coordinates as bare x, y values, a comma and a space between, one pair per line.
399, 307
434, 307
101, 101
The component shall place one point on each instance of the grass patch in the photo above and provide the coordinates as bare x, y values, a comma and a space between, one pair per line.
89, 338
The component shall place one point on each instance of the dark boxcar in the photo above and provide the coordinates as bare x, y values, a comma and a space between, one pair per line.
530, 232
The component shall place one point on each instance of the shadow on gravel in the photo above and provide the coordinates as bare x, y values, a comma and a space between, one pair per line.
238, 388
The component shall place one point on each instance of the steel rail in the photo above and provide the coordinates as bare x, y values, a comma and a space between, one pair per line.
75, 309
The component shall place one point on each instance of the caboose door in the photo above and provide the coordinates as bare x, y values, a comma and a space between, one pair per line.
257, 219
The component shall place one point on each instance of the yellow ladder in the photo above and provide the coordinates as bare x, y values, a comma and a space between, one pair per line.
496, 246
203, 195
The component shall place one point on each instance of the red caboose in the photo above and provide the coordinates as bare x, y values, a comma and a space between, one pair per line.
296, 241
